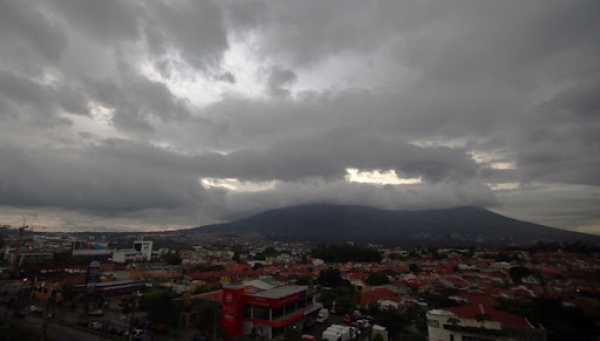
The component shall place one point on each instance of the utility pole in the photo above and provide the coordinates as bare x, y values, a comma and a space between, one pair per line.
134, 302
215, 319
15, 262
51, 299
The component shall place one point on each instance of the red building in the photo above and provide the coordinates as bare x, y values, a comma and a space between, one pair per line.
247, 311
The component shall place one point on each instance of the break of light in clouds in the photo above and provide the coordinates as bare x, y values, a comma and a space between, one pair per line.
130, 115
379, 177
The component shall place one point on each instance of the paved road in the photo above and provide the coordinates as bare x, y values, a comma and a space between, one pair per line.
111, 318
54, 329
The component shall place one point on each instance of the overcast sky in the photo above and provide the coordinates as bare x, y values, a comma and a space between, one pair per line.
126, 115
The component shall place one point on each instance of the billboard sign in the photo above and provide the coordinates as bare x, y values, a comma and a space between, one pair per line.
91, 248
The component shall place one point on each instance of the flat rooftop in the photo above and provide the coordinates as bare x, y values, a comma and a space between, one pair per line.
281, 291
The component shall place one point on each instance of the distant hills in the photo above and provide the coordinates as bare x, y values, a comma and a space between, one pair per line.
362, 225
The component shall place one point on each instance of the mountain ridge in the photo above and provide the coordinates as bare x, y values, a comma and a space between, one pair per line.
364, 224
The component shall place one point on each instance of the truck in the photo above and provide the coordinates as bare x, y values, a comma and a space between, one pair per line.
323, 315
338, 333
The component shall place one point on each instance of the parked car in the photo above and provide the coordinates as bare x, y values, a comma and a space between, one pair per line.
137, 334
36, 310
82, 323
200, 337
95, 325
96, 313
20, 314
143, 325
160, 328
349, 318
116, 331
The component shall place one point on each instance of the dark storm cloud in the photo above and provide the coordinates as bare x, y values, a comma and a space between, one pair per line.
107, 20
138, 101
279, 80
195, 28
100, 180
412, 86
38, 103
22, 25
226, 77
305, 32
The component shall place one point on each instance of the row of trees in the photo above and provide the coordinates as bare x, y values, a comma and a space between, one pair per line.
562, 322
345, 253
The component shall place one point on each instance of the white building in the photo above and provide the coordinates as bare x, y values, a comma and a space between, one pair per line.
141, 251
145, 247
479, 323
127, 255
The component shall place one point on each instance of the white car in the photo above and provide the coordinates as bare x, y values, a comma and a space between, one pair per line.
97, 312
35, 309
137, 334
95, 325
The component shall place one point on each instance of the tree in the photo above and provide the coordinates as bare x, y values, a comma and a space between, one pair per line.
517, 273
566, 323
330, 277
270, 252
206, 268
172, 258
481, 318
376, 279
126, 305
159, 305
291, 333
236, 257
304, 280
345, 253
204, 288
345, 296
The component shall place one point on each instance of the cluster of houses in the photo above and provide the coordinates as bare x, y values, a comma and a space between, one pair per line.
479, 279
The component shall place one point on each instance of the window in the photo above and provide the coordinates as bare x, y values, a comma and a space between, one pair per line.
476, 338
247, 311
277, 312
261, 313
290, 308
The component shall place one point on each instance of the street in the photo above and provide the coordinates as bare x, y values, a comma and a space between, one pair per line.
54, 329
62, 332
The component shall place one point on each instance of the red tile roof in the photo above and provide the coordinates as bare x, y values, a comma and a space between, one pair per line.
471, 311
73, 280
376, 295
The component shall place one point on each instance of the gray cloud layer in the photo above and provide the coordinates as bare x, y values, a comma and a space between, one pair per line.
113, 112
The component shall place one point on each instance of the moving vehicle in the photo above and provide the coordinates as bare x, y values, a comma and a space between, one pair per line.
323, 315
338, 333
